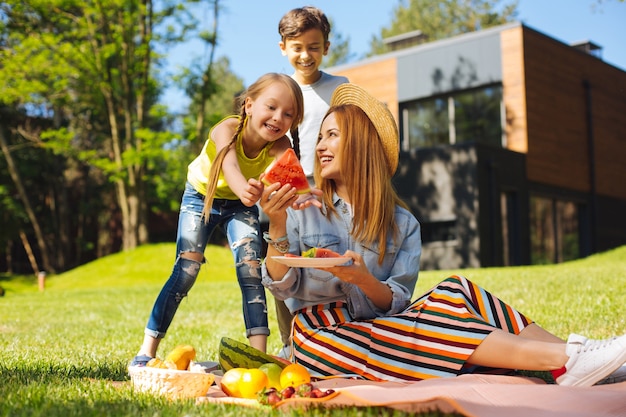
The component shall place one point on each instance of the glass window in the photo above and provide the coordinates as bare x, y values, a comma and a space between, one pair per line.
468, 116
439, 231
477, 116
567, 215
427, 123
554, 230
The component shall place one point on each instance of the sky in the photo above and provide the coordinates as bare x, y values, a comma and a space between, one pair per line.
248, 31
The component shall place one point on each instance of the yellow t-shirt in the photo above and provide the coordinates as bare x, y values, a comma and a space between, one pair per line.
198, 169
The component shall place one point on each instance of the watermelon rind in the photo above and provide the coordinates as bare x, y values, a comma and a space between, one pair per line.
235, 354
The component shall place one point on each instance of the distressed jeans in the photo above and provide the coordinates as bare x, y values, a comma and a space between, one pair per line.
241, 226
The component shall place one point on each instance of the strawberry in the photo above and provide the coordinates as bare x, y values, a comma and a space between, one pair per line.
269, 396
316, 393
287, 392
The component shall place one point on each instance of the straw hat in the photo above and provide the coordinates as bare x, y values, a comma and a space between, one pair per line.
378, 113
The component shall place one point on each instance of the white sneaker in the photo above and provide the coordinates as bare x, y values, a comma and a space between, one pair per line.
591, 360
617, 376
285, 353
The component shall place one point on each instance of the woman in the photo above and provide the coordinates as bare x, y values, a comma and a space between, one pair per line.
358, 318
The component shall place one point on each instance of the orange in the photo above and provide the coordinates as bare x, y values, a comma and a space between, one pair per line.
294, 375
251, 382
230, 382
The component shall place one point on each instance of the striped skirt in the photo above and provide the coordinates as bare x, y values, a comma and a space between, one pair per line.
431, 338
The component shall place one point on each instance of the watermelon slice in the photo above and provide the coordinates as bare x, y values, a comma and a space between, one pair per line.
287, 170
320, 253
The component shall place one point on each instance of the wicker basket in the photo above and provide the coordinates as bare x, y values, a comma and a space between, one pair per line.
170, 383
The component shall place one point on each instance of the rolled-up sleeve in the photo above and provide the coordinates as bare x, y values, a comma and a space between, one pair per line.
283, 288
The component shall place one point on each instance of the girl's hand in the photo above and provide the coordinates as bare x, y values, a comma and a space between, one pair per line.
252, 192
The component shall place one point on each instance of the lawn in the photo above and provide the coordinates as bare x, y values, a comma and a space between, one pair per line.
64, 350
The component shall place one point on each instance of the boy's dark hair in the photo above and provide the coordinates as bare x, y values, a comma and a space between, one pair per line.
299, 20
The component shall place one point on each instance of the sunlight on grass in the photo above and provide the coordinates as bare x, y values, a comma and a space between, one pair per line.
64, 351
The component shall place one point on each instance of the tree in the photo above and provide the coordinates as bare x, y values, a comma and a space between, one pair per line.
89, 66
202, 86
21, 191
439, 19
210, 85
339, 49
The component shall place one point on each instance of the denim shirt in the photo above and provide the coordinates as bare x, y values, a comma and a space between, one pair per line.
304, 287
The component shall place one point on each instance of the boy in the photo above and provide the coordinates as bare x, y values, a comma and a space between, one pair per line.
304, 41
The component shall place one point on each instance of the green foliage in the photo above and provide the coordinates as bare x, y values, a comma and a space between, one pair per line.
64, 351
339, 51
443, 19
85, 77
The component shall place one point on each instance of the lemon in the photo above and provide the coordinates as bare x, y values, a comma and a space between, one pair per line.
252, 382
230, 382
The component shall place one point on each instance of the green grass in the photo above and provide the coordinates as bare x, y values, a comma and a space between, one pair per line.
64, 351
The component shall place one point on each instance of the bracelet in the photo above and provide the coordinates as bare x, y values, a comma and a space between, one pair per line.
281, 244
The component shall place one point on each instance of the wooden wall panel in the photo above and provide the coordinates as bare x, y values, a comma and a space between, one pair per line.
380, 78
558, 139
513, 89
608, 101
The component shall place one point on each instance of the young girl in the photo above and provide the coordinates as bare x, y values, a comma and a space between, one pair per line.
221, 191
358, 318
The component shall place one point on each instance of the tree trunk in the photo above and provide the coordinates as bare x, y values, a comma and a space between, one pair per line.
29, 252
9, 256
41, 243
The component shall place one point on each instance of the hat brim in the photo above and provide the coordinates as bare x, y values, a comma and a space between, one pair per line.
378, 113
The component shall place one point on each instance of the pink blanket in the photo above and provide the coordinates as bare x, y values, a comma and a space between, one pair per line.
468, 395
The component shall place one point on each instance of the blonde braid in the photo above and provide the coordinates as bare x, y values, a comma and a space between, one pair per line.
216, 166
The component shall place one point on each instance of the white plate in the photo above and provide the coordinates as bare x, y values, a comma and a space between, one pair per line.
310, 262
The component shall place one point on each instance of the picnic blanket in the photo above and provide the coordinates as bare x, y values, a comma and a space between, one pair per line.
469, 395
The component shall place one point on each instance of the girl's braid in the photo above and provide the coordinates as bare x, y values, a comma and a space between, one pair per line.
216, 166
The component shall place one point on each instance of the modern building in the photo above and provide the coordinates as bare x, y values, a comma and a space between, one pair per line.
513, 145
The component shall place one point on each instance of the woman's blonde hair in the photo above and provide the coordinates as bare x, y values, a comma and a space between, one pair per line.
365, 172
253, 92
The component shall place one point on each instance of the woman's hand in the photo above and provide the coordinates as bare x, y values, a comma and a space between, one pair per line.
358, 274
307, 200
354, 273
275, 200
